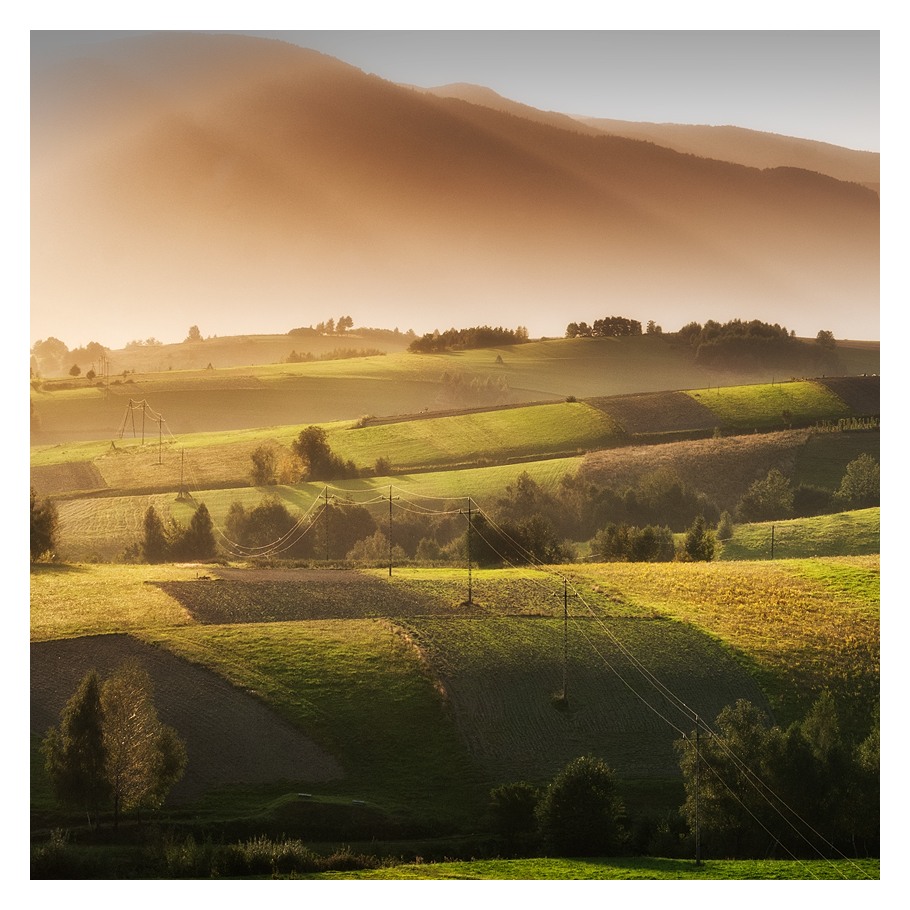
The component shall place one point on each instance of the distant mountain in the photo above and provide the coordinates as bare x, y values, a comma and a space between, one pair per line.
245, 185
752, 148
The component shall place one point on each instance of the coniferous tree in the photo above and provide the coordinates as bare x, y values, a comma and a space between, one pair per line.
154, 539
74, 752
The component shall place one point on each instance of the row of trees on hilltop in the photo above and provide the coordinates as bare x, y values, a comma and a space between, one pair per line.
608, 327
737, 343
479, 336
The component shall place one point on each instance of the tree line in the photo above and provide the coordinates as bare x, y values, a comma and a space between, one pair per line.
607, 327
753, 788
480, 336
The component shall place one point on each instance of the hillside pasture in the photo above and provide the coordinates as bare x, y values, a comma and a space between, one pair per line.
102, 527
502, 677
763, 406
798, 629
241, 397
857, 533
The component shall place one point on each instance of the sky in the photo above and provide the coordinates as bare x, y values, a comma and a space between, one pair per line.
821, 85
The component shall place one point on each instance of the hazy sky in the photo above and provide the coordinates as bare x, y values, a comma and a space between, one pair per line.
812, 84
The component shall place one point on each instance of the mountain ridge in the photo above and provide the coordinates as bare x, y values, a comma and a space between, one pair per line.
261, 180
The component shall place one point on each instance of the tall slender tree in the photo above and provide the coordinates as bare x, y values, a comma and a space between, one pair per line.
75, 754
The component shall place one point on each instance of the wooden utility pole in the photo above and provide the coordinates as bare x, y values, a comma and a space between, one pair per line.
470, 531
697, 789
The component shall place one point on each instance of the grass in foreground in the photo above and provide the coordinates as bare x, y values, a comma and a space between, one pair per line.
623, 869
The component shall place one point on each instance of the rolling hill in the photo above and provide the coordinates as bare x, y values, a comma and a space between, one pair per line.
722, 143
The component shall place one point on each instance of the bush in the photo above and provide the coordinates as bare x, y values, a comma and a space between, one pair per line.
513, 807
580, 810
859, 488
725, 527
699, 544
767, 499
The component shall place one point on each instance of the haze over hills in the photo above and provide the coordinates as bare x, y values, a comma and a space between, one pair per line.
246, 185
752, 148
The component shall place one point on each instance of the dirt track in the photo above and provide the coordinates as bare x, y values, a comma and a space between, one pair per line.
230, 736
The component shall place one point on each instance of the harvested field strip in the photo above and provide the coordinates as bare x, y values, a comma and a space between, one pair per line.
501, 676
862, 393
312, 595
231, 737
758, 407
657, 412
799, 636
721, 468
60, 478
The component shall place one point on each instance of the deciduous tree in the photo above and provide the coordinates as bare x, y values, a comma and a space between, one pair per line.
579, 811
143, 757
44, 522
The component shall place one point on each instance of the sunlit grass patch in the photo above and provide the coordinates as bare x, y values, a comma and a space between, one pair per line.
72, 600
855, 533
763, 406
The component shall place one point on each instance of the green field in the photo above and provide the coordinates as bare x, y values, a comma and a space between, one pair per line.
857, 532
763, 407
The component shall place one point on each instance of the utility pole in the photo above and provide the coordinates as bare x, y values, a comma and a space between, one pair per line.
325, 523
697, 789
390, 530
772, 541
565, 640
470, 592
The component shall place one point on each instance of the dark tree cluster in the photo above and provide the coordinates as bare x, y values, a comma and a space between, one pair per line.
773, 497
752, 774
580, 812
625, 543
482, 336
164, 541
317, 458
608, 327
738, 343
